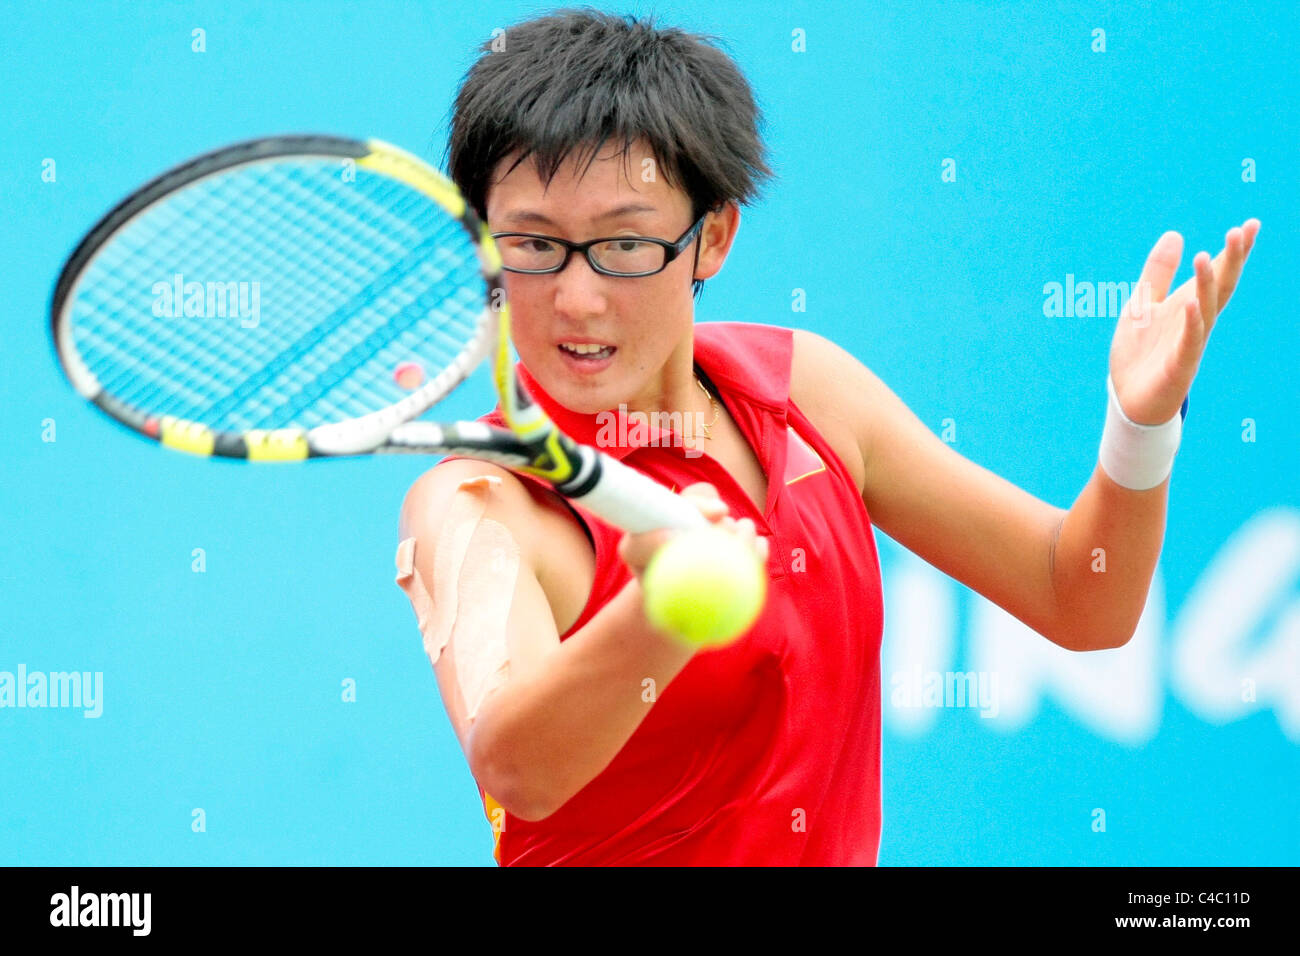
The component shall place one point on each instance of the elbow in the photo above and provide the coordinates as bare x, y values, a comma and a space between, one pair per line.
523, 802
1117, 639
499, 774
1082, 640
1082, 625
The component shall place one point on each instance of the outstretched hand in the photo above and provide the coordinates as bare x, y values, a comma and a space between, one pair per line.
1160, 338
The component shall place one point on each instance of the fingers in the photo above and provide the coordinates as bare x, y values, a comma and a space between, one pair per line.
1229, 263
1222, 273
701, 489
1206, 293
636, 550
1251, 229
705, 497
1191, 340
1161, 266
745, 529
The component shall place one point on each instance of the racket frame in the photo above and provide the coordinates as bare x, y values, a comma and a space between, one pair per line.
532, 443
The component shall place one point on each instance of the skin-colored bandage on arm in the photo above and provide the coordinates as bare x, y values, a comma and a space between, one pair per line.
475, 567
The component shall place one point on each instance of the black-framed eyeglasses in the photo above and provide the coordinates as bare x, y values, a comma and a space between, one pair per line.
624, 256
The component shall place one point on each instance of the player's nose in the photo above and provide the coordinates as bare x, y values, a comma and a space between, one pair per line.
580, 291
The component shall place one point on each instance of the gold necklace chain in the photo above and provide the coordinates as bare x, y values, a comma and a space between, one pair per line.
713, 403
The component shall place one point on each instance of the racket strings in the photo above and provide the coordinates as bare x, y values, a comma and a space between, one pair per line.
295, 243
187, 231
277, 294
315, 360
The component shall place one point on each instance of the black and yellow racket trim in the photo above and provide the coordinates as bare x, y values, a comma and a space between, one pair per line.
553, 460
286, 444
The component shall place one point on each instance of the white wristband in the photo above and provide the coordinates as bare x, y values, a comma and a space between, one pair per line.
1137, 456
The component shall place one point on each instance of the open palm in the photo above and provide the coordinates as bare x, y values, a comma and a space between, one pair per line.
1160, 338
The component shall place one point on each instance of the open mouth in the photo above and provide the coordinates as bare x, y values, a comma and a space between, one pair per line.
587, 358
588, 353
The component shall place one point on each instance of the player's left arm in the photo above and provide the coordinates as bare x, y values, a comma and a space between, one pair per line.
1036, 561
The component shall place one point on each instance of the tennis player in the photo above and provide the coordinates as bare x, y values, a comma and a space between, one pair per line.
593, 738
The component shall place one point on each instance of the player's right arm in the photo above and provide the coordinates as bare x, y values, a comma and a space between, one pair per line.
556, 712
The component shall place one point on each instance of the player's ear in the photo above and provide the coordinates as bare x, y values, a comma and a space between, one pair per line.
716, 236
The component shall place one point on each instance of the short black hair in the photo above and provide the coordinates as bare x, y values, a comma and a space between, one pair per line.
578, 78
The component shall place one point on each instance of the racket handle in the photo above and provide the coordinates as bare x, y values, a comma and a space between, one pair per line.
634, 502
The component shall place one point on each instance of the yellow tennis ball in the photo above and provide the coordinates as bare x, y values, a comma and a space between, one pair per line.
705, 587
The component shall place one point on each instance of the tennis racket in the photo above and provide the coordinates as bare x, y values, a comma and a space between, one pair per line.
304, 297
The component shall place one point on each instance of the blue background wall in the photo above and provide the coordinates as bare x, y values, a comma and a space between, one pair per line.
222, 689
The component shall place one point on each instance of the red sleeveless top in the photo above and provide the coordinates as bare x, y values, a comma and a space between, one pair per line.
766, 751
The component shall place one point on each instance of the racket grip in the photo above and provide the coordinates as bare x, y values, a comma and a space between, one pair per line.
634, 502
